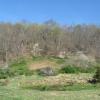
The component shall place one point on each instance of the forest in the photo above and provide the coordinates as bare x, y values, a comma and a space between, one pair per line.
48, 38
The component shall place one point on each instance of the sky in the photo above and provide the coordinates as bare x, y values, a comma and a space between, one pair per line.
62, 11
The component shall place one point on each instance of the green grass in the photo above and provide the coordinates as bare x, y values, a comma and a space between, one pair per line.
17, 94
12, 91
75, 87
20, 94
17, 67
37, 58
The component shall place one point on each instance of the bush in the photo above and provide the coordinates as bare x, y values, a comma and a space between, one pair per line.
69, 69
97, 75
75, 69
3, 74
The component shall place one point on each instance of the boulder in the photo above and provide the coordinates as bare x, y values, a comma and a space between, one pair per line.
47, 71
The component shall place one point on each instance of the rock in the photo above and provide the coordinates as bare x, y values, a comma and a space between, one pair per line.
47, 71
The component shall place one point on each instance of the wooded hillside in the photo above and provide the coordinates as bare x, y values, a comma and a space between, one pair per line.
48, 38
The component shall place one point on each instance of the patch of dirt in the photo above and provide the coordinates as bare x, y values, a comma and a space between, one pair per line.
41, 64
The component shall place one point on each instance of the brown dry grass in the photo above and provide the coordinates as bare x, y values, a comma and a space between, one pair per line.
59, 80
42, 64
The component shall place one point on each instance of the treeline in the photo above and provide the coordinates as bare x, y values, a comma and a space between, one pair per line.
49, 38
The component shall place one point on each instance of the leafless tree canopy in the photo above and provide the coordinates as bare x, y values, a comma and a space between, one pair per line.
48, 38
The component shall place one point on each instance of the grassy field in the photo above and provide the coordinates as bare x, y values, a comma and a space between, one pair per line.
18, 94
13, 91
21, 84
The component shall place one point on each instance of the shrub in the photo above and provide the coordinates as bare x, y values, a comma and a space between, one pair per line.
97, 75
69, 69
75, 69
3, 74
